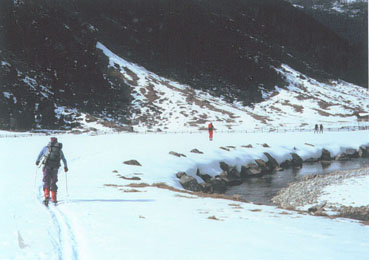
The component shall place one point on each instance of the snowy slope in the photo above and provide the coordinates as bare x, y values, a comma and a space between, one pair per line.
164, 105
101, 217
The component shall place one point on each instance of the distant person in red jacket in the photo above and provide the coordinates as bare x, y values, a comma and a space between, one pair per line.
210, 129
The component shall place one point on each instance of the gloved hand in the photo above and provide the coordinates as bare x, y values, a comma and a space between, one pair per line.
65, 169
37, 163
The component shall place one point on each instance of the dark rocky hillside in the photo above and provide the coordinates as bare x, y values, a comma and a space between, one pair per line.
348, 19
49, 58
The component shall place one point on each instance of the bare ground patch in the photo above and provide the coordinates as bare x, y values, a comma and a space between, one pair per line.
161, 185
298, 108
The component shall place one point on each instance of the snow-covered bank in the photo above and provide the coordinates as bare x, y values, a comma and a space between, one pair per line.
329, 194
104, 218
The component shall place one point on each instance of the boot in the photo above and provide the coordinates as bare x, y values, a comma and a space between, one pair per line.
53, 196
47, 197
47, 194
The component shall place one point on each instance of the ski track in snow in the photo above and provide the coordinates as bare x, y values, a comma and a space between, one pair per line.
61, 234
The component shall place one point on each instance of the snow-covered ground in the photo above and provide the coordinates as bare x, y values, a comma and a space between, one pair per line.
103, 215
100, 217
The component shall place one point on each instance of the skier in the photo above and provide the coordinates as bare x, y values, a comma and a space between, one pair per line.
52, 154
210, 129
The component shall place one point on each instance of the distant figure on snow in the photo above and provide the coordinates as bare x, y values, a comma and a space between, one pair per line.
52, 154
321, 128
210, 130
316, 129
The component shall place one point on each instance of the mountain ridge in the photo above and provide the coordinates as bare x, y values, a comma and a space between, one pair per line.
49, 57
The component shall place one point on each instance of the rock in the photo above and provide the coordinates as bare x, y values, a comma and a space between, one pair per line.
177, 154
272, 163
364, 152
296, 160
132, 162
250, 170
218, 185
359, 213
317, 208
205, 177
247, 146
225, 167
233, 173
286, 164
262, 165
352, 153
196, 151
228, 180
266, 145
342, 157
311, 160
206, 187
190, 183
180, 174
326, 155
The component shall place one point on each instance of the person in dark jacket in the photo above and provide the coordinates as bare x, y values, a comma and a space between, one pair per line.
51, 155
321, 128
316, 129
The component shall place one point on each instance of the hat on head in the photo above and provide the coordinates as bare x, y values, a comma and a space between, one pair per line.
53, 139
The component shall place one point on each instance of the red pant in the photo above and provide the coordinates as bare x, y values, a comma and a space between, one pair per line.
210, 134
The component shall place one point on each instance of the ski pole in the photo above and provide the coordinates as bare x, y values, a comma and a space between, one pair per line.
34, 185
66, 184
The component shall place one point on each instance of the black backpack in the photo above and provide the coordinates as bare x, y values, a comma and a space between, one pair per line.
53, 155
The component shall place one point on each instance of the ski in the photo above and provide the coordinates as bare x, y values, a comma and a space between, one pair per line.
46, 202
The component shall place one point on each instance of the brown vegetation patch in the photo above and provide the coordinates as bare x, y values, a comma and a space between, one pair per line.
214, 218
162, 185
187, 197
324, 105
276, 109
235, 206
303, 97
298, 108
285, 213
262, 119
113, 185
133, 75
321, 112
130, 190
151, 95
90, 118
137, 185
